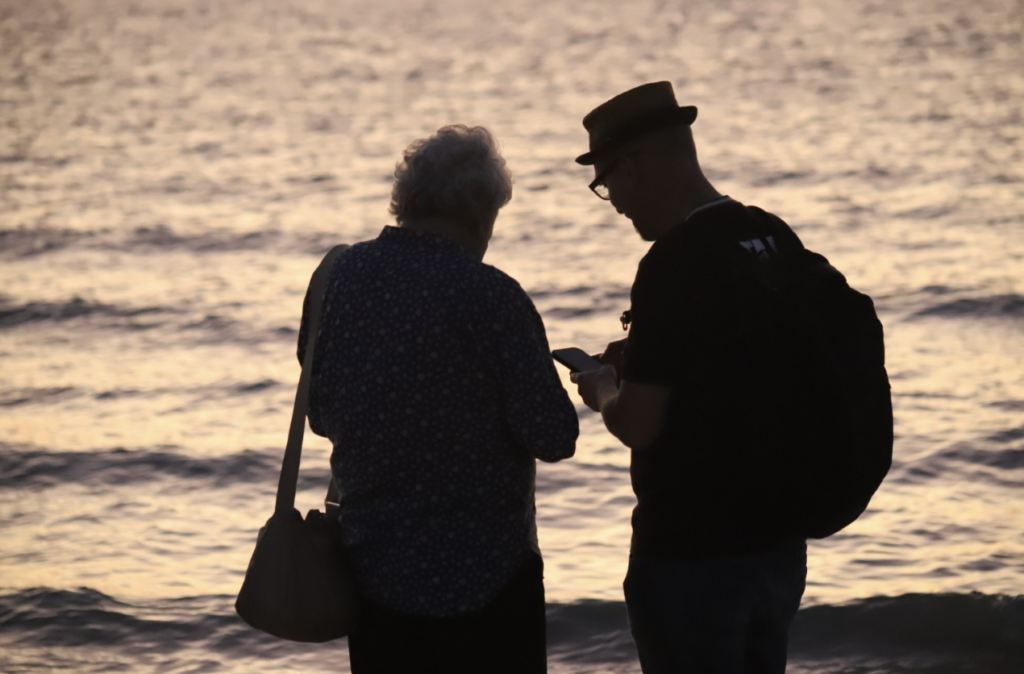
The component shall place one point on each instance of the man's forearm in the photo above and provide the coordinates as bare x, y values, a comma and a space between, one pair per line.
637, 417
608, 403
632, 412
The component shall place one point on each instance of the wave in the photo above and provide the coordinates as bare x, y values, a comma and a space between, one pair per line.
996, 306
936, 212
617, 292
176, 323
26, 242
579, 301
45, 395
1006, 459
966, 629
1008, 435
27, 468
31, 468
769, 178
87, 617
996, 459
1008, 405
972, 628
26, 396
12, 315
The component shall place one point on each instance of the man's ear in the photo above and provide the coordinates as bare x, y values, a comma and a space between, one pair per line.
630, 169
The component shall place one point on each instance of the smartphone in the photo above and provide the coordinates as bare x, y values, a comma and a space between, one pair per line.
575, 359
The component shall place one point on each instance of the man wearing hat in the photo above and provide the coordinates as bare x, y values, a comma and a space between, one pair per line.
714, 578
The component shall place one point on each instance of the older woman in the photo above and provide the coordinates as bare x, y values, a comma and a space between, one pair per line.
434, 382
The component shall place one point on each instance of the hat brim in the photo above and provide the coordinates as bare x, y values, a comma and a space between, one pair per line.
684, 115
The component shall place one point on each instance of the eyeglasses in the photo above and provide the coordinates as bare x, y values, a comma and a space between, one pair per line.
598, 187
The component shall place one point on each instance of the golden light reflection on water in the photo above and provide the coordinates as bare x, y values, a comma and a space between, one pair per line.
934, 538
203, 162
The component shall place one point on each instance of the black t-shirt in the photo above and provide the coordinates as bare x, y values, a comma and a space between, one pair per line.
695, 485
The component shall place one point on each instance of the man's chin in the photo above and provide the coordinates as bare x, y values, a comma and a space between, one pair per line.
645, 237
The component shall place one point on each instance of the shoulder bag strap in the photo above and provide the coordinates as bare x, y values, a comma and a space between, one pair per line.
286, 486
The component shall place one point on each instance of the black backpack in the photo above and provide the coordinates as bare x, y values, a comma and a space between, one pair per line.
824, 394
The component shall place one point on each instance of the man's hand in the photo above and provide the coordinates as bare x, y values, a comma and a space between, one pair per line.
614, 354
596, 387
634, 413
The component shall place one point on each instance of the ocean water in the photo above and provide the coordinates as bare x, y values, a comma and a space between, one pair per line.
171, 171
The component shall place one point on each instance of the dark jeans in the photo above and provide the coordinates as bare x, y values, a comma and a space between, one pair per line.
509, 635
727, 614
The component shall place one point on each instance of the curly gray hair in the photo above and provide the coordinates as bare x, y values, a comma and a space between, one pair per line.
457, 173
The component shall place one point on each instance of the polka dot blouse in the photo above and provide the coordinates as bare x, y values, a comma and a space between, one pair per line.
434, 381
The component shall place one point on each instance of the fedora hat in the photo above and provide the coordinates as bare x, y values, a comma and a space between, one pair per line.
630, 115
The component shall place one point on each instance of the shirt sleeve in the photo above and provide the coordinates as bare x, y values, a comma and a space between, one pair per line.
653, 345
674, 316
538, 410
303, 329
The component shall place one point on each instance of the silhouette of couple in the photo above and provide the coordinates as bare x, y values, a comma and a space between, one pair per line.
434, 381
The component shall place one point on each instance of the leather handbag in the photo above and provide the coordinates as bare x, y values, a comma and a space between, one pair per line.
299, 585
